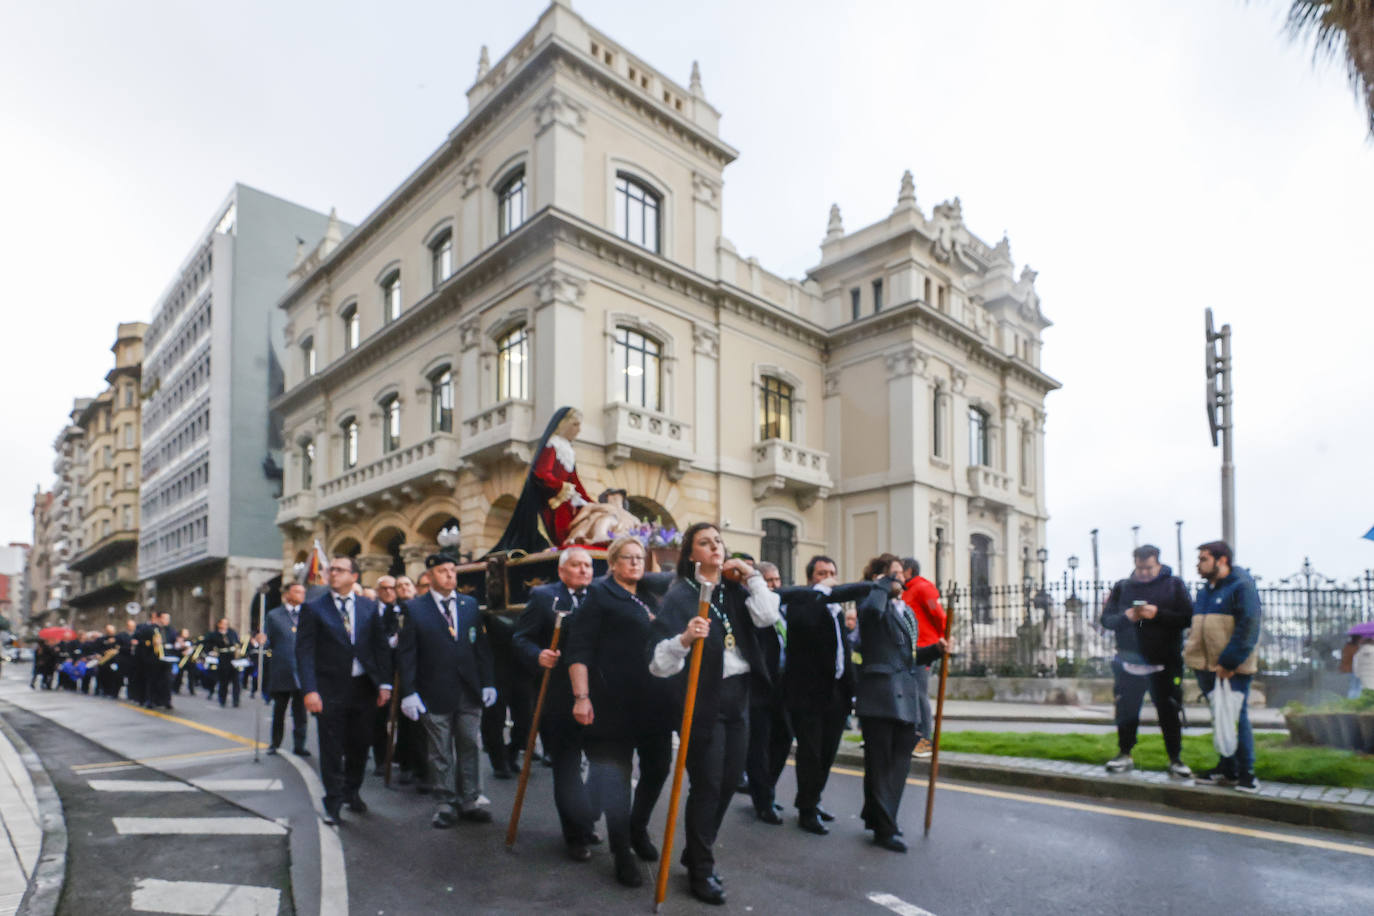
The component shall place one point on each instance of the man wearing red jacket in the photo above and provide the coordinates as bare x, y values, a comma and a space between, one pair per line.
923, 598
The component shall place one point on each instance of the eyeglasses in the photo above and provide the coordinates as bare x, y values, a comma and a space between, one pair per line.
630, 558
342, 569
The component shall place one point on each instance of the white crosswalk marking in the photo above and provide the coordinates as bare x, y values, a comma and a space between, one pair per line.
169, 785
203, 899
898, 905
224, 826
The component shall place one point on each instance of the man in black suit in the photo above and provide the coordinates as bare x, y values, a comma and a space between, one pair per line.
283, 682
559, 731
344, 664
770, 732
389, 612
818, 681
888, 696
446, 680
150, 643
223, 644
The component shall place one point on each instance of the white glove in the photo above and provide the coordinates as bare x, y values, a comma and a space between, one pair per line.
412, 706
488, 696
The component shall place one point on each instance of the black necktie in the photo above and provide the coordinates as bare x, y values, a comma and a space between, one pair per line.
343, 614
448, 616
578, 597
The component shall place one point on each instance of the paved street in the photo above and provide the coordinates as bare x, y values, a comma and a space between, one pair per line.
992, 850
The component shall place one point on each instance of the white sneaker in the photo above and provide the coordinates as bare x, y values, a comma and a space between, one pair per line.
1180, 770
1120, 764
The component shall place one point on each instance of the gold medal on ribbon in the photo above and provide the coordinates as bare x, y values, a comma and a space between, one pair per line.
729, 640
453, 633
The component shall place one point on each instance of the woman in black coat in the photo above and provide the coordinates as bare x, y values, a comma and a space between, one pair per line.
732, 666
623, 708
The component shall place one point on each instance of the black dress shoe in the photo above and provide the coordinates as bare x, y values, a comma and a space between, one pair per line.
333, 815
405, 779
742, 787
893, 843
301, 752
443, 819
769, 816
501, 772
643, 846
357, 804
810, 822
579, 853
824, 814
708, 890
627, 869
477, 816
272, 752
591, 839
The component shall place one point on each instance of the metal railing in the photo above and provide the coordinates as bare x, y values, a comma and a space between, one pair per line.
1054, 629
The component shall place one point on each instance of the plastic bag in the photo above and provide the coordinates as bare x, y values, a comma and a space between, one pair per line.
1226, 705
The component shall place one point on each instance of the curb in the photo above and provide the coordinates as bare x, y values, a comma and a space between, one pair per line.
1094, 720
49, 875
1349, 818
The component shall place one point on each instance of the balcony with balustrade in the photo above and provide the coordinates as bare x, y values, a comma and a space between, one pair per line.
391, 480
498, 433
786, 467
990, 485
649, 436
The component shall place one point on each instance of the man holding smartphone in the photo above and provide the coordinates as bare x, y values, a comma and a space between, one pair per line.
1149, 612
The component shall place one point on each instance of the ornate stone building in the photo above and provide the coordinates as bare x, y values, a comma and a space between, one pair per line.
563, 246
106, 564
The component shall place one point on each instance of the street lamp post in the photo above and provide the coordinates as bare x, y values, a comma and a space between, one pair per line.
1097, 574
1219, 407
1074, 609
1178, 533
1135, 536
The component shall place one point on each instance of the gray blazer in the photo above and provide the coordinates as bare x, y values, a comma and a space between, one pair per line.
281, 640
887, 686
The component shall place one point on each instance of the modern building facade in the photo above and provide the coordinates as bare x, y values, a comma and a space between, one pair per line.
106, 565
210, 446
563, 247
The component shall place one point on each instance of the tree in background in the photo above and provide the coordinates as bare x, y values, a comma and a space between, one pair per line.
1341, 27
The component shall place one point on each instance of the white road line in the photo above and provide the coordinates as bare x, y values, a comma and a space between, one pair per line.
333, 872
171, 785
898, 905
222, 826
200, 898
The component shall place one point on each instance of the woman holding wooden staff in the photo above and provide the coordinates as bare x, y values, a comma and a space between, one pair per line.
732, 658
623, 709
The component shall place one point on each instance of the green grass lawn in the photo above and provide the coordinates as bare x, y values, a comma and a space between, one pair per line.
1275, 759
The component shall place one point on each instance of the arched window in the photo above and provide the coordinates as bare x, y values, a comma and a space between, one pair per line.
350, 443
391, 296
510, 203
391, 424
638, 359
308, 356
308, 465
441, 257
775, 409
636, 213
979, 437
980, 577
512, 364
352, 328
778, 545
441, 401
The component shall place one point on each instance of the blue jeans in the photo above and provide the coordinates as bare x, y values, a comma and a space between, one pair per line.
1244, 759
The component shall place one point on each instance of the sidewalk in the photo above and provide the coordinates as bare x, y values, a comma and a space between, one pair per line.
992, 711
22, 838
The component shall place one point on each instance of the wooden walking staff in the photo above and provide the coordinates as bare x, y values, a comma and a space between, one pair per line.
939, 719
534, 733
688, 707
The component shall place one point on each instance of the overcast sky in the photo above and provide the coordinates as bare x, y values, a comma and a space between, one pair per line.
1148, 159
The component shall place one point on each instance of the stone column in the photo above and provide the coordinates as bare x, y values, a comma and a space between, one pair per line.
905, 369
470, 240
705, 380
559, 136
468, 379
413, 555
556, 373
373, 566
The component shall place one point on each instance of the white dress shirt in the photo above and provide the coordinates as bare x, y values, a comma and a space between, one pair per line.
670, 656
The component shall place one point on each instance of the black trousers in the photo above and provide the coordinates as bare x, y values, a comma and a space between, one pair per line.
714, 766
412, 748
228, 676
562, 738
888, 744
610, 763
299, 723
109, 680
157, 683
515, 701
137, 684
819, 730
1166, 692
345, 731
770, 738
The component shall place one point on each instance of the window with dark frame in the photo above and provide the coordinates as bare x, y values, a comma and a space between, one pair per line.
308, 465
512, 362
937, 423
510, 199
854, 303
391, 424
391, 296
441, 401
979, 437
308, 356
877, 295
441, 257
352, 328
636, 213
778, 546
638, 359
350, 443
775, 409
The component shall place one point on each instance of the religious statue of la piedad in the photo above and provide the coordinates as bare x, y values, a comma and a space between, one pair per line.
554, 509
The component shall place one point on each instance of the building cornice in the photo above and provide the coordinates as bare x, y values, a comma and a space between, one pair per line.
553, 55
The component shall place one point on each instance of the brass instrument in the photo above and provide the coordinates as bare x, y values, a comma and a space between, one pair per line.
107, 655
157, 642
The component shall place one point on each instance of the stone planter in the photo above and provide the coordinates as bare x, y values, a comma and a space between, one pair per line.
1365, 722
1324, 729
1299, 728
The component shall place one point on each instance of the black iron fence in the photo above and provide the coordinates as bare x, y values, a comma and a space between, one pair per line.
1053, 629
